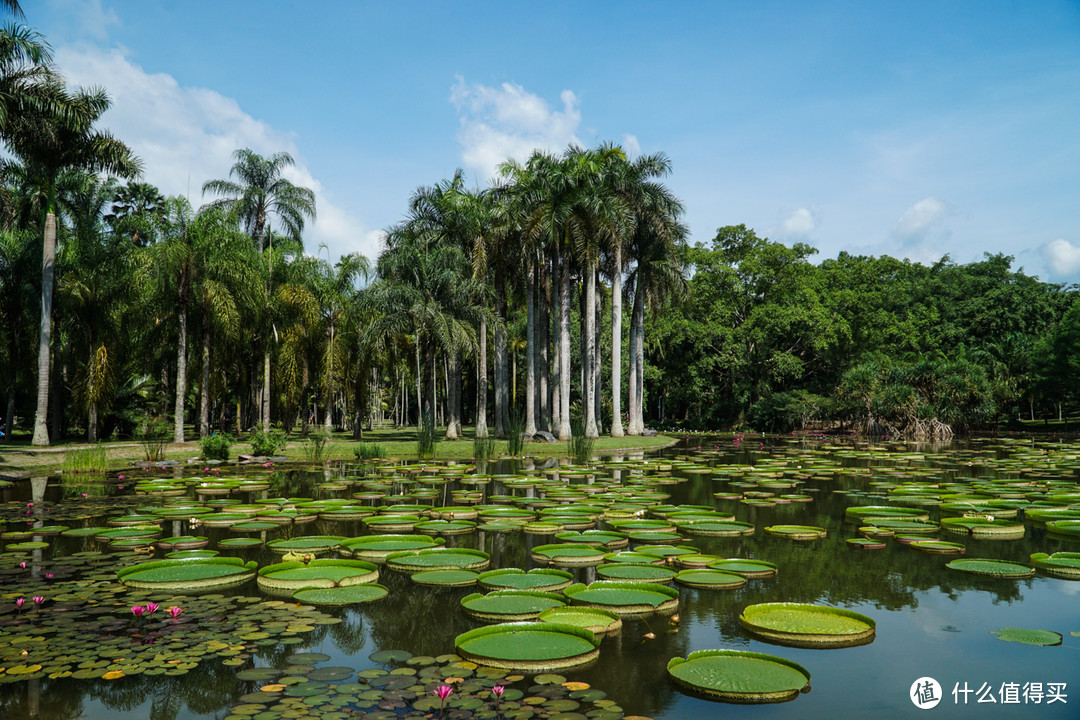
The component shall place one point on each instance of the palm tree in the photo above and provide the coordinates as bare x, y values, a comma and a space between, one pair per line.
137, 208
256, 190
48, 143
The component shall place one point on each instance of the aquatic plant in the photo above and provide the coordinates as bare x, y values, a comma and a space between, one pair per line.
216, 446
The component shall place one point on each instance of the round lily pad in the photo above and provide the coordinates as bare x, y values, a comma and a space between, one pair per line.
739, 677
529, 646
322, 573
187, 575
341, 595
706, 579
548, 579
625, 599
568, 554
1064, 565
992, 568
446, 578
937, 547
1028, 637
375, 548
510, 605
634, 572
313, 544
804, 625
796, 532
596, 620
745, 567
438, 559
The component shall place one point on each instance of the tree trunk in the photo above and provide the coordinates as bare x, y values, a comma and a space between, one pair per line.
265, 410
453, 395
502, 382
564, 352
92, 422
543, 343
599, 362
556, 362
533, 350
635, 425
9, 415
481, 384
419, 391
48, 264
204, 394
588, 395
181, 368
616, 344
639, 360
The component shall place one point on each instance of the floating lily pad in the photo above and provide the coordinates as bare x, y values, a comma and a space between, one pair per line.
746, 567
510, 605
937, 547
446, 578
804, 625
187, 575
717, 528
634, 572
342, 595
625, 599
992, 568
319, 573
796, 532
1028, 637
739, 677
706, 579
1064, 565
548, 579
438, 559
375, 548
313, 544
568, 554
531, 647
597, 620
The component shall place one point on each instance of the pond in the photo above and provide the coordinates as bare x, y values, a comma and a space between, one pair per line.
83, 653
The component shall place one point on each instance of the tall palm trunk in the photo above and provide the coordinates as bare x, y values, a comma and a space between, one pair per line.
204, 391
637, 422
481, 384
501, 380
533, 350
265, 410
181, 368
453, 396
598, 381
589, 341
564, 353
616, 344
543, 342
556, 362
419, 393
48, 265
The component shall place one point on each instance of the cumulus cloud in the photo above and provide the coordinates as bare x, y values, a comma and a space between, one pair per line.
1062, 258
87, 17
798, 225
186, 136
508, 121
922, 220
631, 145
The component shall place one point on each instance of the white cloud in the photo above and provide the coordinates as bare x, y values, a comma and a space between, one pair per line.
88, 17
508, 121
921, 220
631, 145
186, 136
798, 225
1062, 258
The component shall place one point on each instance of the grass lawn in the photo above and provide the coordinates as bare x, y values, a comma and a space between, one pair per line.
19, 459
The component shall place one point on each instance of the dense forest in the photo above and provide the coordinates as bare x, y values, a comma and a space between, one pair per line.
564, 298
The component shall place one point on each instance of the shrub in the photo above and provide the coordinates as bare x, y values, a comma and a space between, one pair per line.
514, 440
317, 446
579, 446
153, 434
426, 439
369, 451
216, 446
267, 443
483, 448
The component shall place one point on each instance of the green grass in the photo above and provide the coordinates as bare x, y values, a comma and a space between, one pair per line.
91, 460
20, 459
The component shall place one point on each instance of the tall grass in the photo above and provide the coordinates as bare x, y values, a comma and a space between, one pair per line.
483, 448
426, 439
317, 446
578, 446
514, 427
153, 435
91, 460
369, 451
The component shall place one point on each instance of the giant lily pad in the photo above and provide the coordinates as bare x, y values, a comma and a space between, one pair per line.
530, 646
625, 599
739, 677
568, 554
445, 578
341, 595
438, 559
292, 576
375, 548
510, 605
748, 568
796, 532
1061, 564
1028, 637
803, 625
548, 579
635, 572
597, 620
706, 579
992, 568
188, 575
309, 544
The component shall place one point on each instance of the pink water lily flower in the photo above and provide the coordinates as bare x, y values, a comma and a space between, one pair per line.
444, 691
137, 610
498, 691
23, 565
151, 608
20, 602
174, 612
38, 600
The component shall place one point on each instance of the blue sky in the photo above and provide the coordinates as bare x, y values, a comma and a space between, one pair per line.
911, 128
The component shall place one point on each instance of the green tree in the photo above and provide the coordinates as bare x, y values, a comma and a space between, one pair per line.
47, 143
